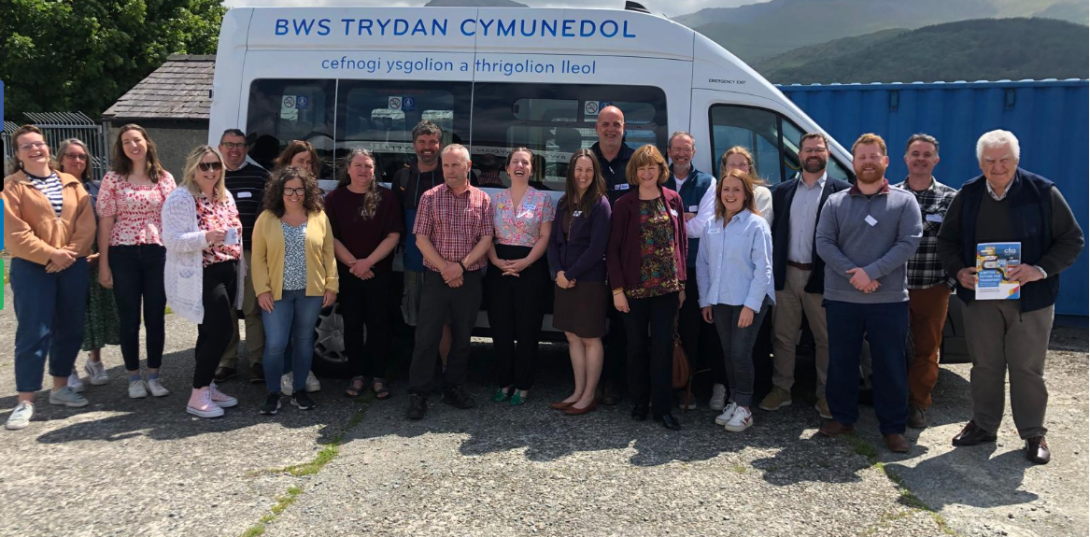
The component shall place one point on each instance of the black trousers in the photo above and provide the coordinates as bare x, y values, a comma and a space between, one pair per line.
700, 339
438, 303
220, 282
650, 372
516, 306
366, 302
138, 274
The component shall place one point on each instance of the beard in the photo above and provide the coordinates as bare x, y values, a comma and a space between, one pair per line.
870, 176
814, 164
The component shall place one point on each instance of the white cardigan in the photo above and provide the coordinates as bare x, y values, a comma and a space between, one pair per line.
183, 276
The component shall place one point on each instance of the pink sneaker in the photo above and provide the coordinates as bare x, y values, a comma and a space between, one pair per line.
201, 404
221, 399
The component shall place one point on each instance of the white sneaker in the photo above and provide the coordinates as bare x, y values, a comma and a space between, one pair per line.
728, 411
221, 399
20, 417
75, 383
137, 389
66, 397
97, 373
740, 421
312, 383
719, 397
156, 388
285, 384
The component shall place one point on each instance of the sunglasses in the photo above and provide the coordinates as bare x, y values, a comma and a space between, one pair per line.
210, 166
74, 156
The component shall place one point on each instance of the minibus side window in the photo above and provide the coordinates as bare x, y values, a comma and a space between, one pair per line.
280, 111
755, 129
791, 136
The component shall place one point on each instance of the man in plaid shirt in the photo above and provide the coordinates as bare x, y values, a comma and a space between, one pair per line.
929, 286
454, 233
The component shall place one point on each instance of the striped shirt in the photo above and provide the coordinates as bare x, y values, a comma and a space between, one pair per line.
247, 186
51, 187
925, 268
454, 224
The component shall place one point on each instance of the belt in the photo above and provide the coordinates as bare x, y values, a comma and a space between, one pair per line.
801, 266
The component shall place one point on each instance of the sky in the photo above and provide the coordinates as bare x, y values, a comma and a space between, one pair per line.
670, 8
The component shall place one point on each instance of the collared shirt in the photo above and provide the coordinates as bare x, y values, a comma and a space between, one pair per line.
454, 224
804, 211
995, 196
925, 268
734, 266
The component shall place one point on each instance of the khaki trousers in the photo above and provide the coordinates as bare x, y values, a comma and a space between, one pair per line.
791, 303
255, 330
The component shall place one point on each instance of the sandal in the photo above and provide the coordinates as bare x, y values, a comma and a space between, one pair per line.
356, 387
380, 389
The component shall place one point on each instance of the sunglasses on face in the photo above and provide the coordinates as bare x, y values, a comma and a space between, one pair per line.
210, 166
295, 191
73, 156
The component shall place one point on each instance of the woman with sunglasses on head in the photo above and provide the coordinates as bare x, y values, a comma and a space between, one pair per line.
366, 222
204, 271
100, 327
518, 280
49, 228
294, 275
576, 260
131, 252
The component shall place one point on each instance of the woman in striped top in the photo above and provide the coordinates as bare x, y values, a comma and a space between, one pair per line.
49, 228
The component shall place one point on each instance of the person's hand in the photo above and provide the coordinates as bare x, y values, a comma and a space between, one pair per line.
328, 299
859, 280
265, 300
620, 302
451, 271
680, 298
456, 282
1024, 274
967, 277
517, 265
874, 285
368, 275
50, 268
361, 267
215, 236
92, 259
105, 277
706, 312
745, 318
62, 258
561, 280
689, 216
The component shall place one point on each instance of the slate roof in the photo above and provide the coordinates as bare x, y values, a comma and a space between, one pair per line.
178, 89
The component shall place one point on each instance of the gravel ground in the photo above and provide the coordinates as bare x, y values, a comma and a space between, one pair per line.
144, 467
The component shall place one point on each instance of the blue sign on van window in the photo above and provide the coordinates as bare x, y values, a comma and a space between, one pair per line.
301, 102
408, 104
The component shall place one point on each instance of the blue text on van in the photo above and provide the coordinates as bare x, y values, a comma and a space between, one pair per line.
469, 27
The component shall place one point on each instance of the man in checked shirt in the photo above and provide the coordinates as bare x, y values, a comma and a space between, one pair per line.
929, 286
453, 231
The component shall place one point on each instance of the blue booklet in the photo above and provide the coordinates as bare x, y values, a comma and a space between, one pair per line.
993, 263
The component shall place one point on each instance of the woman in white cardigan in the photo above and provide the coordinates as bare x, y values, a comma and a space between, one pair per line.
204, 269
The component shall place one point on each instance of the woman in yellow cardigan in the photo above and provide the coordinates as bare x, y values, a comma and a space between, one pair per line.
295, 276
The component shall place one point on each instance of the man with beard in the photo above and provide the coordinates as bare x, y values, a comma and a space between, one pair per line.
409, 184
866, 235
928, 284
799, 272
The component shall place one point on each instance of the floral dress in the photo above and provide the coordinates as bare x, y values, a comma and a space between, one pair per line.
658, 271
100, 324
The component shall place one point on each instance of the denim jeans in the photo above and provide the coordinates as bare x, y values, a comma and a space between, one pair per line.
138, 274
294, 316
885, 327
49, 310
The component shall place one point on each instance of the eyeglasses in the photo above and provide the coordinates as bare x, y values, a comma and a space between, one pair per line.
295, 191
232, 145
75, 156
210, 166
32, 145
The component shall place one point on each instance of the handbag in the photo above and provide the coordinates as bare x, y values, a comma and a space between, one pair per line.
682, 373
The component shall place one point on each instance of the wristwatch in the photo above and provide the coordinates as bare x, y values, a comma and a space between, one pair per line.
460, 264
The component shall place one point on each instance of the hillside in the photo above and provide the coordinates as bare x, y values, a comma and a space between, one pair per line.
1067, 11
967, 50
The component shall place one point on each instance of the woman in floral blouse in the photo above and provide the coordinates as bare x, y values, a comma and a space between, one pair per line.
131, 252
518, 280
646, 263
203, 275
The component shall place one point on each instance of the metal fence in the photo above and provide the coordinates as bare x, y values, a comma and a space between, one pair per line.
58, 127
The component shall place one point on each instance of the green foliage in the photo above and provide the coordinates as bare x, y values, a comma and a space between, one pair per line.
987, 49
61, 55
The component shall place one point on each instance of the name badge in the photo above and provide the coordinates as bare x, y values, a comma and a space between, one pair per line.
714, 230
673, 213
870, 220
577, 214
937, 218
526, 214
622, 186
242, 195
694, 208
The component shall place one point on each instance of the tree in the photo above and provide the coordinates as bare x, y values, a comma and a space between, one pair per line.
66, 55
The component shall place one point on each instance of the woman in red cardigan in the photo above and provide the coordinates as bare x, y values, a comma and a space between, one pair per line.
646, 263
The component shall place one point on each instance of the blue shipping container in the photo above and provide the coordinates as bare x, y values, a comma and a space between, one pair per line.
1051, 119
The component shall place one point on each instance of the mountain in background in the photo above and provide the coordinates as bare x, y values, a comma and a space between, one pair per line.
473, 3
1078, 12
986, 49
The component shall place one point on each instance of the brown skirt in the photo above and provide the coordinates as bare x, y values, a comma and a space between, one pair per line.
582, 310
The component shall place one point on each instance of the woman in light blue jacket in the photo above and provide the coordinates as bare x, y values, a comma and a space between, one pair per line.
734, 276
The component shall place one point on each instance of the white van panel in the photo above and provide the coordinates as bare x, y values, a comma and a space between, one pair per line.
359, 64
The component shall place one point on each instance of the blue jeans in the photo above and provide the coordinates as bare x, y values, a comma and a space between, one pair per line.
49, 311
293, 316
885, 327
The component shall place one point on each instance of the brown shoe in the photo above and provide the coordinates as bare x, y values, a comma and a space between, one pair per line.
916, 417
561, 405
972, 435
573, 411
1037, 450
896, 443
833, 429
224, 373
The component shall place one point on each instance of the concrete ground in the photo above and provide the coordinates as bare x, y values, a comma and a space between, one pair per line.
357, 467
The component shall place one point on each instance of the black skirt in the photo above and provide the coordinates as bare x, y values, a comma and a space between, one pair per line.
582, 309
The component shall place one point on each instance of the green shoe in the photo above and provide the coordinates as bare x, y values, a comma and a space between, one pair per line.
501, 396
517, 398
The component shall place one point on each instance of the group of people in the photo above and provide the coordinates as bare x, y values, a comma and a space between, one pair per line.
639, 250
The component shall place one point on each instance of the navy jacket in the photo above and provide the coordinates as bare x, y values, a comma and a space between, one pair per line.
582, 255
613, 171
782, 196
692, 190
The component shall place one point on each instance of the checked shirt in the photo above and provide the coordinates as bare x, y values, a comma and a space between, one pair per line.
454, 224
925, 268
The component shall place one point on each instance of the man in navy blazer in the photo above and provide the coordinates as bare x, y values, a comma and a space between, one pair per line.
799, 272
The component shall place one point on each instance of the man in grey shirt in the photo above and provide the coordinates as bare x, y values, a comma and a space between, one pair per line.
866, 236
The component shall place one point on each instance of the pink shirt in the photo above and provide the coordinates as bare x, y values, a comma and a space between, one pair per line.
521, 226
218, 215
137, 208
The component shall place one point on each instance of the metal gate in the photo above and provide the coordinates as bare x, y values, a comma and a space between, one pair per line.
58, 127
